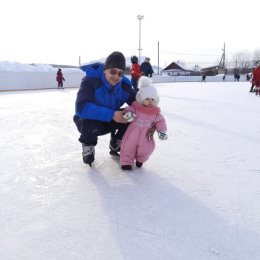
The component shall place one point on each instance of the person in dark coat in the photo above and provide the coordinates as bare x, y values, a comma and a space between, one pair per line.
252, 89
102, 93
236, 77
146, 68
60, 78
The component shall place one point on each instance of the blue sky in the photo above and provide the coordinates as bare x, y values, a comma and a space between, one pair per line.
55, 31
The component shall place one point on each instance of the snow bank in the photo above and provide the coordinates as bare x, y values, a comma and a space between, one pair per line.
217, 78
17, 76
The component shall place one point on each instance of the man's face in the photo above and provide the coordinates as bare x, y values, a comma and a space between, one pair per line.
113, 75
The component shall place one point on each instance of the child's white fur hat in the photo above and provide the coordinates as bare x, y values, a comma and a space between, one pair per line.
146, 90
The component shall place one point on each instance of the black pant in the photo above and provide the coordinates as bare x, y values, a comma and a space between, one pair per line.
252, 88
134, 83
60, 84
91, 129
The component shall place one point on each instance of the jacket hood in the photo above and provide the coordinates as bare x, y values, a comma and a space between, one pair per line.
96, 70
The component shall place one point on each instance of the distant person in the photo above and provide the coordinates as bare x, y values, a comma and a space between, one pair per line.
100, 97
60, 79
135, 72
236, 77
144, 114
203, 78
146, 68
224, 77
256, 78
252, 89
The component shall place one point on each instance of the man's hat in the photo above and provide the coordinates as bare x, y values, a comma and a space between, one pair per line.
115, 60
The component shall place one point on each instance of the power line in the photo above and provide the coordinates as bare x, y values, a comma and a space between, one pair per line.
191, 54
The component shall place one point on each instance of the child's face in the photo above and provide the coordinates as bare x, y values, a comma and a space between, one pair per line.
149, 102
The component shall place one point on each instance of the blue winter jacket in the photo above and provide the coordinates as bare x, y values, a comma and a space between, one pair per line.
147, 69
97, 99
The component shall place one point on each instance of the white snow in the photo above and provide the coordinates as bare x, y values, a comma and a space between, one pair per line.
197, 198
19, 76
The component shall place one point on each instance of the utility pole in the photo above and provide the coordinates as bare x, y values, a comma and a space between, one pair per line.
140, 17
158, 57
222, 64
224, 55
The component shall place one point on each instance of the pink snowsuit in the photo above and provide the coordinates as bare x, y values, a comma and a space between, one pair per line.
135, 144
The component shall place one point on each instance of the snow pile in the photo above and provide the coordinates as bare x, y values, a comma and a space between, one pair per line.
16, 67
17, 76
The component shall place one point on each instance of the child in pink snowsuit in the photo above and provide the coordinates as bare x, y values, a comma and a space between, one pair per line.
144, 114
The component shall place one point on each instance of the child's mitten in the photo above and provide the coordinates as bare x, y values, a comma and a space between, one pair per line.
162, 135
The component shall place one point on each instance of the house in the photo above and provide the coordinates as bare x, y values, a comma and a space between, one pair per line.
179, 69
211, 71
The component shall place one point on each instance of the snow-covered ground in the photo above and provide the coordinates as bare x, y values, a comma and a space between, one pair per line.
197, 198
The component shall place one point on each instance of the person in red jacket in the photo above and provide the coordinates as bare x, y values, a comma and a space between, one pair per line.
256, 79
60, 78
135, 72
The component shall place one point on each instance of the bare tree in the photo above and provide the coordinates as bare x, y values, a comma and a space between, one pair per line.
256, 56
241, 61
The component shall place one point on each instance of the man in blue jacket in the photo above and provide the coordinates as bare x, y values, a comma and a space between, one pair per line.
102, 93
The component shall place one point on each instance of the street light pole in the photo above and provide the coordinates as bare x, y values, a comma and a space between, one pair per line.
140, 17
